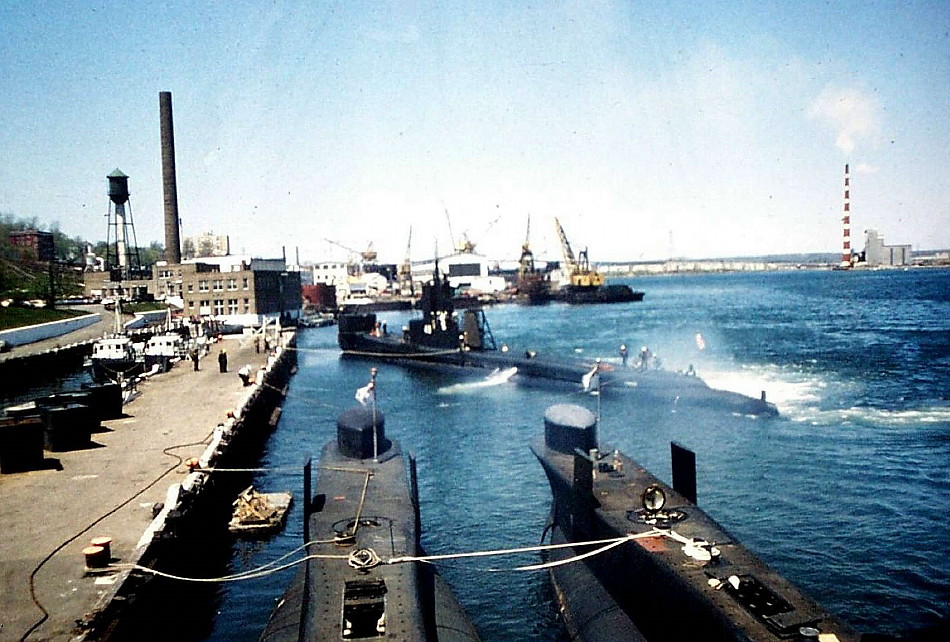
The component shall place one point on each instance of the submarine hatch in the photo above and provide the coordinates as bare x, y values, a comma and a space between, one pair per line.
364, 609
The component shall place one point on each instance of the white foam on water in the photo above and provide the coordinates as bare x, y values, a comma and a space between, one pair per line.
782, 387
804, 397
498, 377
879, 417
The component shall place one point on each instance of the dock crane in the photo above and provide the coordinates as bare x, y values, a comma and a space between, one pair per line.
578, 270
367, 256
526, 262
533, 286
465, 245
406, 287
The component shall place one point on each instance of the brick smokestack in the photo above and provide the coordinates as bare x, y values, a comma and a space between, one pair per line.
169, 183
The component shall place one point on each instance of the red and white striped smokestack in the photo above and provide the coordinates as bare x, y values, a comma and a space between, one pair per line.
169, 182
846, 222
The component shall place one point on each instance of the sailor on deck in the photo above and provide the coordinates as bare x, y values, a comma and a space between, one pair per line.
644, 357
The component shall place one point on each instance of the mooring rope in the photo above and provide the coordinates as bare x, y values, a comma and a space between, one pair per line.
609, 543
237, 577
359, 511
213, 469
365, 558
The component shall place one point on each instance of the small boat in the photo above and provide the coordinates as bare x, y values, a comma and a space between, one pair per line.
257, 514
656, 566
114, 358
366, 512
164, 350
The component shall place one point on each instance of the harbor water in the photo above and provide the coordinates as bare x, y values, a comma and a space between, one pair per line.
847, 492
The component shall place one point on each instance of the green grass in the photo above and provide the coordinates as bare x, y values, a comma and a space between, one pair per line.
143, 307
16, 317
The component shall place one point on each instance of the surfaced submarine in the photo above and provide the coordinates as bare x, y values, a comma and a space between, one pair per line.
443, 338
365, 511
659, 568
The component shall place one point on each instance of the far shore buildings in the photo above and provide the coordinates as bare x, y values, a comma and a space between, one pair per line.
877, 254
239, 290
205, 245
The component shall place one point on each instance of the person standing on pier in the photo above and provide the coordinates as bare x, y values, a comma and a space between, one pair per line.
223, 360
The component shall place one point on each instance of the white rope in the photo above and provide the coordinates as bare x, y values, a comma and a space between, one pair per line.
526, 549
363, 559
213, 469
247, 575
367, 558
576, 558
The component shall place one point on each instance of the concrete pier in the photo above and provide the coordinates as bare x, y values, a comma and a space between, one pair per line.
125, 487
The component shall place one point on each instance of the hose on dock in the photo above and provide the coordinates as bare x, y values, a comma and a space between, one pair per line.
96, 521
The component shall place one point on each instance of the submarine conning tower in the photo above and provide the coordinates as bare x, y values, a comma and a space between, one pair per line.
361, 434
568, 427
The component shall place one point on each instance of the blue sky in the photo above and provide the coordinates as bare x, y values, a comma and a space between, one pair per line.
650, 129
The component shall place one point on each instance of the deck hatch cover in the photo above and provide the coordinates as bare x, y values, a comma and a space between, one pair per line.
364, 609
769, 607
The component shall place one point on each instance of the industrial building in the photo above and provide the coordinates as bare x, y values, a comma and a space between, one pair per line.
32, 245
877, 254
234, 289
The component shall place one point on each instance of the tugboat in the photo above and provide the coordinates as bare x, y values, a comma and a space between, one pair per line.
440, 338
669, 572
366, 509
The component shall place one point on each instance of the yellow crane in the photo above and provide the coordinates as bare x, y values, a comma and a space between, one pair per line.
578, 269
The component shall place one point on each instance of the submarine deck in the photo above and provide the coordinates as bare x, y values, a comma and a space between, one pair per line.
665, 578
342, 593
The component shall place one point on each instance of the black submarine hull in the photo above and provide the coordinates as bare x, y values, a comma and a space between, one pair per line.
672, 388
681, 575
365, 513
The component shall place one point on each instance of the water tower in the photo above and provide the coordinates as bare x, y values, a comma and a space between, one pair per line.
121, 258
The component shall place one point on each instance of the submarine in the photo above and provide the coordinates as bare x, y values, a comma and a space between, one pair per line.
669, 572
442, 337
366, 510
